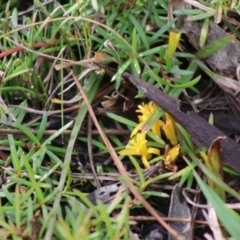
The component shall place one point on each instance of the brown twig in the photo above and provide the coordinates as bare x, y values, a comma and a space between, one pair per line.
149, 218
20, 48
202, 133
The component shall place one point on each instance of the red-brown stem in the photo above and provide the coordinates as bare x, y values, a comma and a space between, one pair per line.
19, 48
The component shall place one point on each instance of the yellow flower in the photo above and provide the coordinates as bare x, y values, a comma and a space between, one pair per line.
171, 157
169, 130
147, 110
172, 154
138, 147
173, 41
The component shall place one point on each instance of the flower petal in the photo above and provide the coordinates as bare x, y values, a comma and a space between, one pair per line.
156, 127
172, 154
145, 162
173, 43
136, 129
141, 137
153, 151
129, 152
169, 130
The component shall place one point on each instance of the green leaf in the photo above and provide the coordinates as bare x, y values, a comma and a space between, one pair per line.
188, 12
121, 119
152, 119
35, 184
57, 133
186, 85
42, 126
228, 217
17, 206
155, 194
180, 72
204, 33
28, 133
151, 51
222, 81
201, 16
162, 30
95, 5
215, 46
138, 169
118, 76
140, 31
134, 41
14, 155
185, 136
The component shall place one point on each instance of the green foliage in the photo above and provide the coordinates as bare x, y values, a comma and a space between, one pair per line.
40, 49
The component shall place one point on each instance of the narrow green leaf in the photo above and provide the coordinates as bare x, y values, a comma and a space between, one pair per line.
105, 217
57, 133
121, 119
17, 206
20, 89
201, 16
35, 184
204, 32
209, 174
14, 155
185, 135
8, 195
151, 51
30, 212
186, 85
138, 169
95, 5
96, 143
157, 178
28, 133
185, 12
155, 194
118, 75
222, 81
134, 41
157, 139
215, 46
140, 31
42, 126
229, 218
152, 119
162, 30
136, 66
180, 72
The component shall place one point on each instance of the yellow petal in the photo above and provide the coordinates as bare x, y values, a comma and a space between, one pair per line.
57, 101
169, 130
156, 127
173, 43
172, 154
136, 129
129, 152
143, 118
142, 108
145, 162
141, 137
146, 109
153, 151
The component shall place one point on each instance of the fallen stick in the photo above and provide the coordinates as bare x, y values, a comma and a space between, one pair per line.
202, 132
